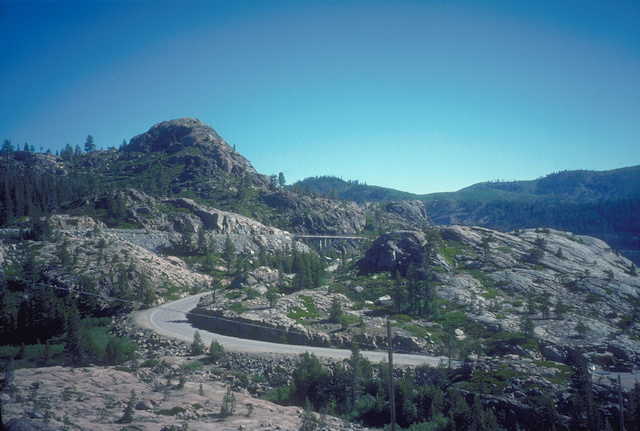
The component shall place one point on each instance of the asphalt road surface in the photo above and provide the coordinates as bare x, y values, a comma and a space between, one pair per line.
170, 320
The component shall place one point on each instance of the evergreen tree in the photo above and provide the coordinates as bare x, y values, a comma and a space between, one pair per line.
127, 416
75, 345
273, 295
229, 253
7, 148
89, 144
310, 379
560, 309
203, 246
526, 326
584, 409
335, 312
197, 347
216, 351
309, 421
228, 407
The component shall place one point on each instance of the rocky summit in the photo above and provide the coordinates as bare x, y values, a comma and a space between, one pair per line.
90, 240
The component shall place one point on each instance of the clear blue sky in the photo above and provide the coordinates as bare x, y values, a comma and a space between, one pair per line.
421, 96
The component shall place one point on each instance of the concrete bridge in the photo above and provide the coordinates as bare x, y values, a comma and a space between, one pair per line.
322, 242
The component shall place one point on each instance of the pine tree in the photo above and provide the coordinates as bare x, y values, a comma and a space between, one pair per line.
127, 416
272, 296
216, 351
228, 407
229, 253
197, 347
75, 345
7, 148
309, 420
584, 409
89, 145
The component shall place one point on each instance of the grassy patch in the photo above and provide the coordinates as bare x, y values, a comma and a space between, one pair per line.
237, 307
449, 249
305, 313
233, 294
401, 318
416, 331
192, 366
171, 292
563, 371
492, 382
172, 412
491, 293
592, 298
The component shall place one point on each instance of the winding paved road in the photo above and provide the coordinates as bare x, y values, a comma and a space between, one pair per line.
170, 320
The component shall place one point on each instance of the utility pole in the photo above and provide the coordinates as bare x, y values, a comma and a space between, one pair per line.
621, 404
392, 401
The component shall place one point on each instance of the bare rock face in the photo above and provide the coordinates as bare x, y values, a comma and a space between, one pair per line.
412, 211
394, 251
263, 275
64, 221
577, 292
246, 233
318, 215
595, 286
175, 135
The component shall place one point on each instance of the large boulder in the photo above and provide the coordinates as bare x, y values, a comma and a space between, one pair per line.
394, 251
263, 275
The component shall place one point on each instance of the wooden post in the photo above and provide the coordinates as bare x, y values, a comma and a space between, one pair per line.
621, 403
392, 401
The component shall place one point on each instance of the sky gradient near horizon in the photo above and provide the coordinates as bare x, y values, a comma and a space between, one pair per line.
419, 96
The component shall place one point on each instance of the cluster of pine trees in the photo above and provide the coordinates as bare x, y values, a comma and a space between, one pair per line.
437, 399
32, 193
54, 325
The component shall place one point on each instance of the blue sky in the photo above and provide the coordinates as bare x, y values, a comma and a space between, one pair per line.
421, 96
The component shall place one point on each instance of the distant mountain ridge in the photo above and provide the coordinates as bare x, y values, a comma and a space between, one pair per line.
604, 204
577, 186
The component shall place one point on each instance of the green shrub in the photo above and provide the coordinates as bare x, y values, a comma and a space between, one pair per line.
172, 412
401, 318
258, 378
192, 366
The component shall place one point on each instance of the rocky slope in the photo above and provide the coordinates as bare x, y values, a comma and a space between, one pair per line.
96, 397
557, 280
495, 275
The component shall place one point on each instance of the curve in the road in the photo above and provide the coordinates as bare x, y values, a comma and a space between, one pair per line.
170, 320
